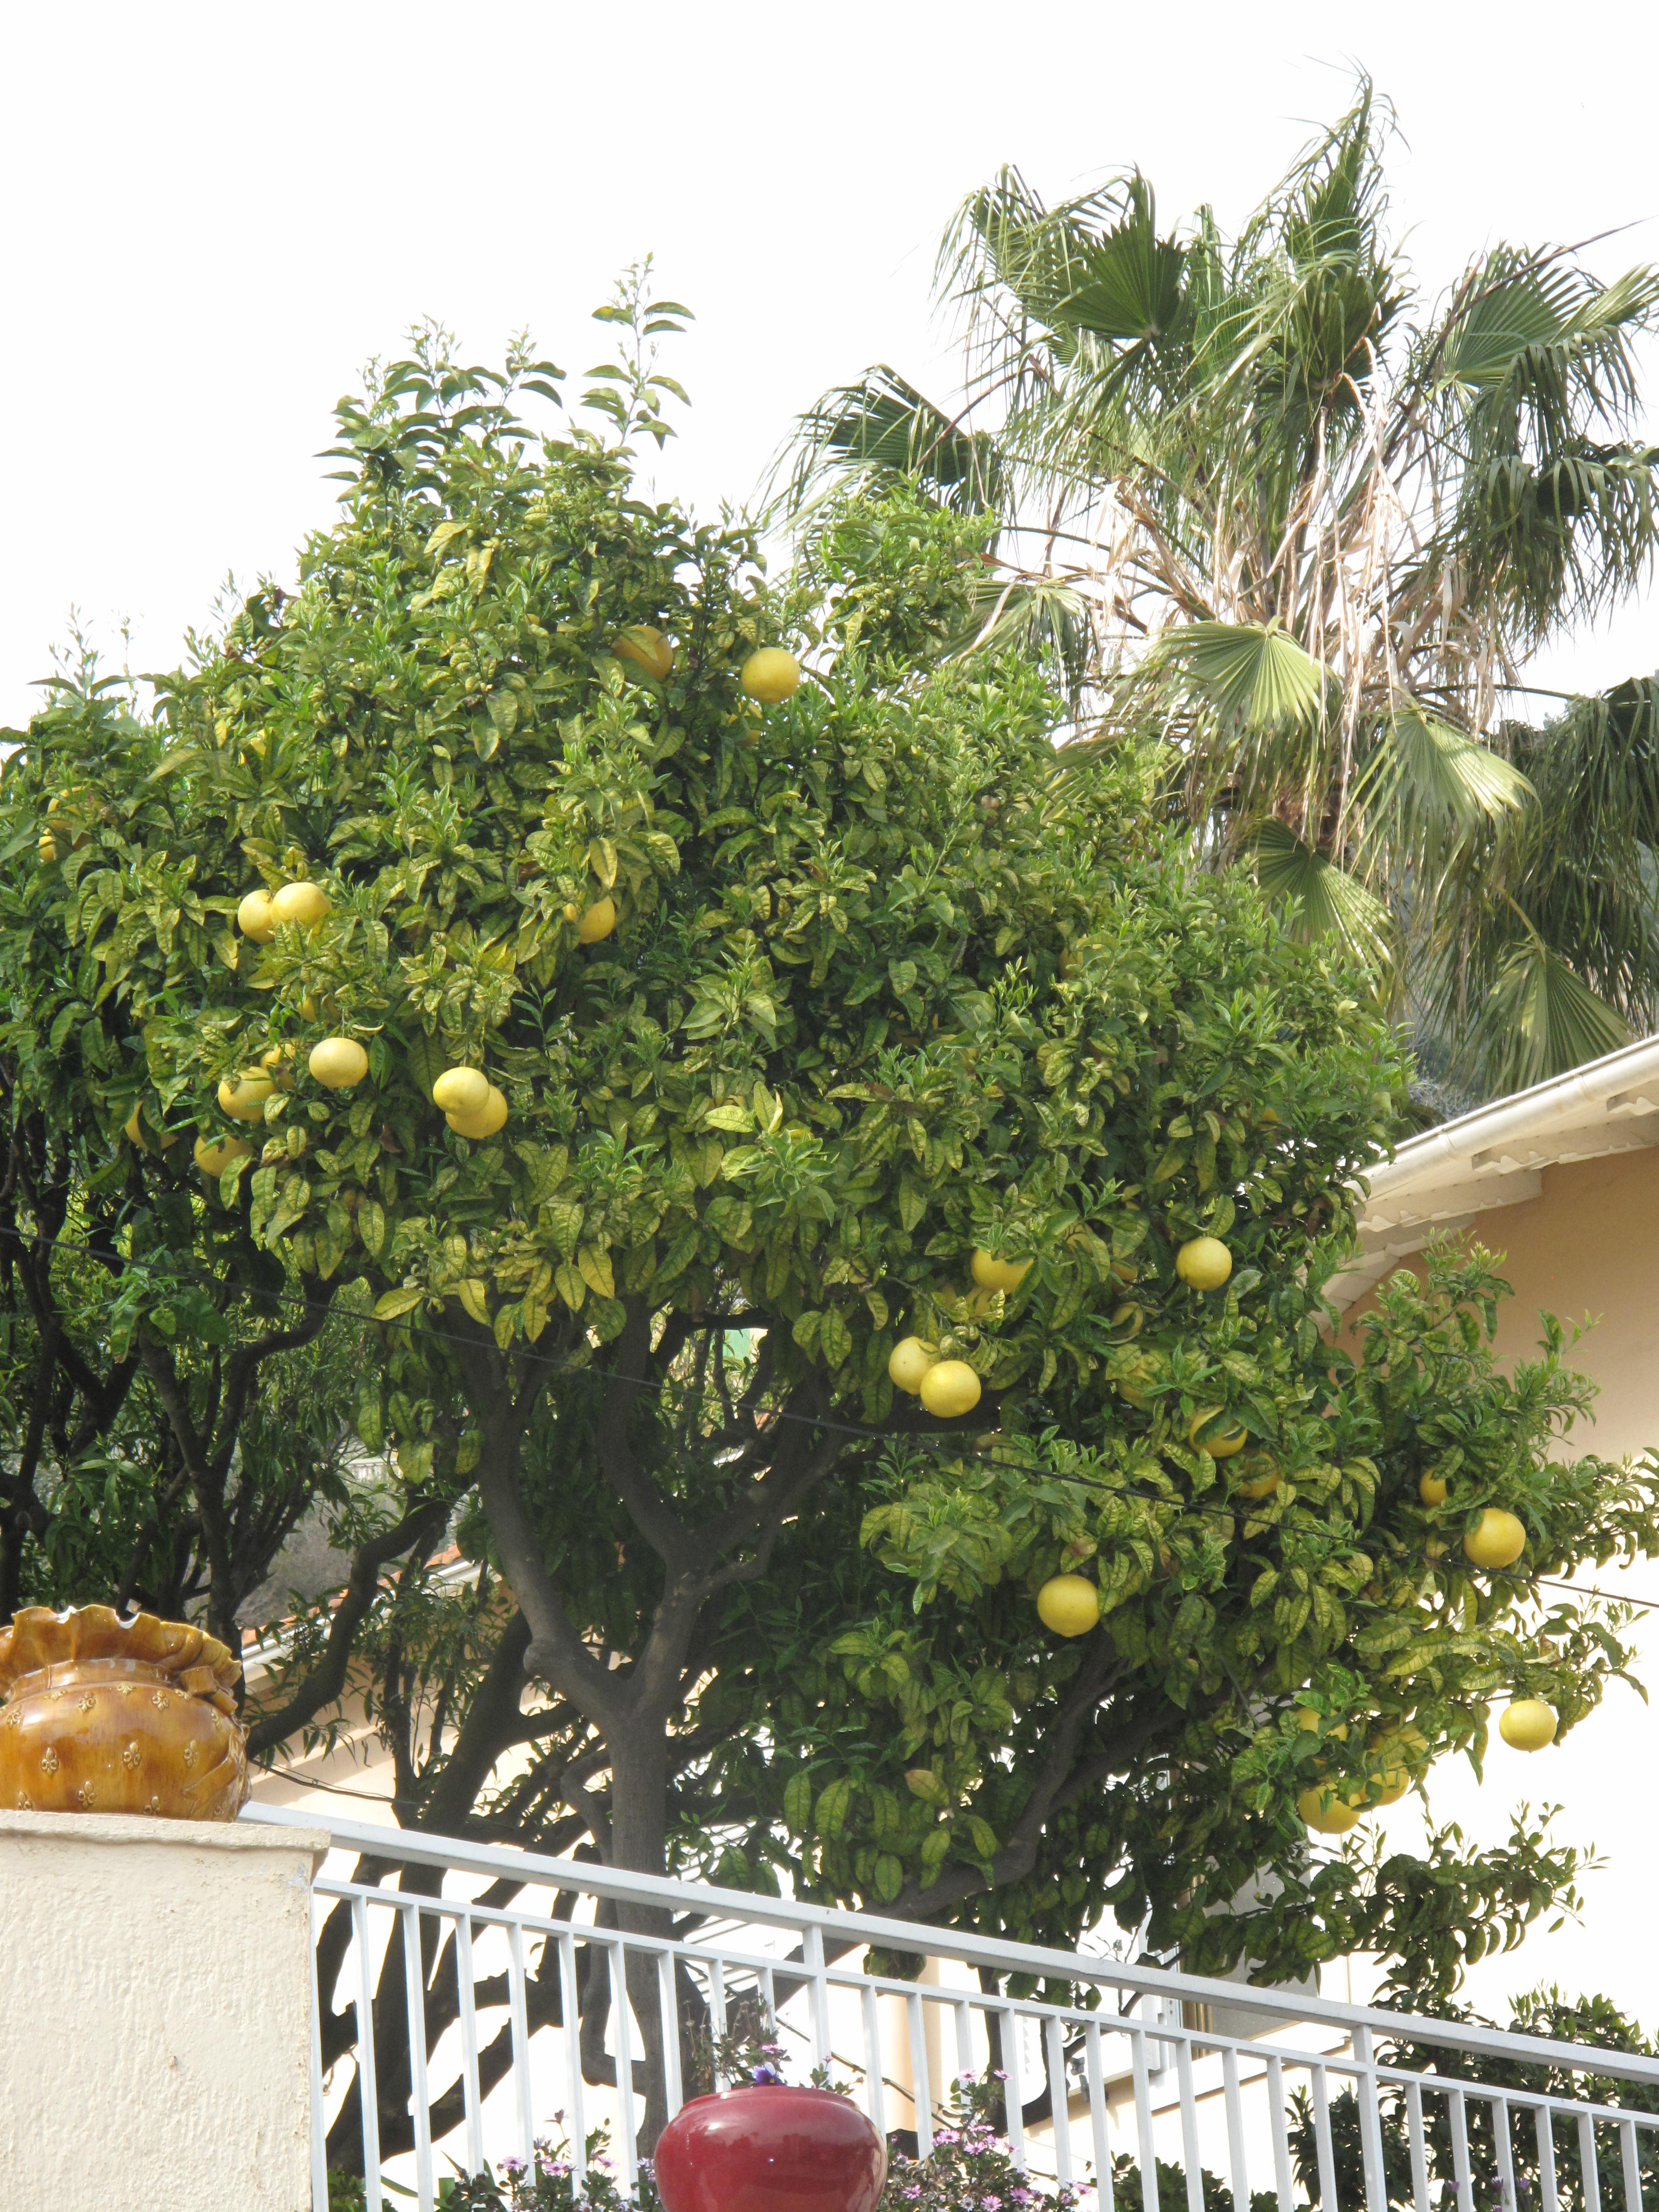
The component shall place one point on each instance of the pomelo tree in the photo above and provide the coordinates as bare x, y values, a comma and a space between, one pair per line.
647, 1071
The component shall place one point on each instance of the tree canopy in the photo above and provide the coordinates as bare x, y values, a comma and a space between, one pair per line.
858, 1015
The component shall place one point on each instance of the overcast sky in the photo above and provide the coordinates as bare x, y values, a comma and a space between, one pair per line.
215, 215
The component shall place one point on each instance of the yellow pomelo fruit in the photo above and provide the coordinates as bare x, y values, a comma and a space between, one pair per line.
253, 917
1261, 1477
338, 1062
1431, 1489
278, 1064
949, 1387
1528, 1725
243, 1097
1220, 1442
1326, 1812
907, 1362
137, 1130
1497, 1540
304, 902
771, 675
646, 647
489, 1117
1205, 1262
1310, 1724
1392, 1784
993, 1274
1069, 1604
598, 921
213, 1158
461, 1090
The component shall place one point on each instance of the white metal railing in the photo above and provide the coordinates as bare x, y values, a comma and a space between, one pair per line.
509, 1958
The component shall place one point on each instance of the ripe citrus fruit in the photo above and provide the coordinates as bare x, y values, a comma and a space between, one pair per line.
243, 1097
461, 1090
1069, 1604
598, 921
646, 647
993, 1274
1205, 1262
949, 1387
138, 1129
1497, 1540
304, 902
1260, 1476
1431, 1489
1394, 1782
1310, 1724
771, 675
253, 917
907, 1362
338, 1062
489, 1117
1528, 1725
1326, 1812
1207, 1429
213, 1158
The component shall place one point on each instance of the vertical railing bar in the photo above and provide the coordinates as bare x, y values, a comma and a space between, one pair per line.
1366, 2094
1321, 2105
475, 2157
1420, 2146
1505, 2149
812, 1950
667, 1963
1191, 2157
1137, 2035
874, 2094
921, 2089
1457, 2115
717, 2015
1053, 2041
1632, 2167
1548, 2200
770, 1998
318, 2140
1099, 2128
414, 1991
964, 2036
1014, 2098
1238, 2168
1589, 2174
570, 2010
1280, 2132
519, 2028
368, 2095
629, 2146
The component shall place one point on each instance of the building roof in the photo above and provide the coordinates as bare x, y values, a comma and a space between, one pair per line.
1497, 1155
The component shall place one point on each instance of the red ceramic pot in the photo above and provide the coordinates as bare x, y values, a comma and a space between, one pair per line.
770, 2149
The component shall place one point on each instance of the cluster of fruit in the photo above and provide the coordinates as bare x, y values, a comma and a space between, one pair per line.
471, 1102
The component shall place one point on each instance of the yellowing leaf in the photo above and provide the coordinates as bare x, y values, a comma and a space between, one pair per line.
471, 1292
397, 1302
595, 1264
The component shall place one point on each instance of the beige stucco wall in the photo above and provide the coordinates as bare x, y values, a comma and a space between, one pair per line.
1587, 1249
155, 2014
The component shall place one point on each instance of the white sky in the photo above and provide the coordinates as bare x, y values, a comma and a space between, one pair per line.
215, 214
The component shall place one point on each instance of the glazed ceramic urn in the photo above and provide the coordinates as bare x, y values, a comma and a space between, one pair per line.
102, 1715
768, 2148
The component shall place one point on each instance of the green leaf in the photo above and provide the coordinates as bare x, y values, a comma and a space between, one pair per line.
393, 1302
1258, 675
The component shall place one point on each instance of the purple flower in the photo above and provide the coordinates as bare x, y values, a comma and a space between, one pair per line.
1000, 2076
768, 2077
967, 2080
512, 2166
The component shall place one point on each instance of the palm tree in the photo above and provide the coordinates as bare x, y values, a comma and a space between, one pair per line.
1253, 494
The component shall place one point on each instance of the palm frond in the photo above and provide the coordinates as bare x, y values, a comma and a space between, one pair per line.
1326, 901
883, 428
1255, 674
1537, 1019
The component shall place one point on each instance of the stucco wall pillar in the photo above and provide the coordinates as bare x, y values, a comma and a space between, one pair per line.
154, 2014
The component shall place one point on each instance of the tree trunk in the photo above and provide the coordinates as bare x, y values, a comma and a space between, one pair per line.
639, 1803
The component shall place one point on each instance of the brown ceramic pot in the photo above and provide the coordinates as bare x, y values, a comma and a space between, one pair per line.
108, 1716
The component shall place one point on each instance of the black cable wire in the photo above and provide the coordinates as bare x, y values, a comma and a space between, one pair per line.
956, 1444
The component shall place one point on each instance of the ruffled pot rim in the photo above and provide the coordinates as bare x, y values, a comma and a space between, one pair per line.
39, 1638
